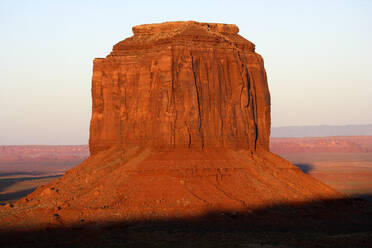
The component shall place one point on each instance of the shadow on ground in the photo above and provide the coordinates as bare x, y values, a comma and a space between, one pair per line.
13, 196
333, 223
7, 182
305, 168
366, 197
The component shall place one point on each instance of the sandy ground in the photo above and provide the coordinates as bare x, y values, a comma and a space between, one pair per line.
18, 179
347, 172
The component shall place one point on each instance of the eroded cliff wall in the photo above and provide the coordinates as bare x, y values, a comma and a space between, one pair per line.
181, 84
180, 127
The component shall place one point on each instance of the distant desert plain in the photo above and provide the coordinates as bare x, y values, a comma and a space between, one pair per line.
343, 162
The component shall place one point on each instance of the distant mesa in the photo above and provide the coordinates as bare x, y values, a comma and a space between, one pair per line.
335, 144
180, 127
42, 153
321, 131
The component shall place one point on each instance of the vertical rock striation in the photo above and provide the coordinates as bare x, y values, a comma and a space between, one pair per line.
181, 84
180, 127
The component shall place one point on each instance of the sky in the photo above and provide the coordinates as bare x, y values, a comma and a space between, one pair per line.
318, 57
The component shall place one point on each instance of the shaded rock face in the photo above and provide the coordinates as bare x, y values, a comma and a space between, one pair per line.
181, 84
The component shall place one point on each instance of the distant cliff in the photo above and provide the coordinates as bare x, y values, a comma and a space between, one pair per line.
43, 153
346, 144
321, 131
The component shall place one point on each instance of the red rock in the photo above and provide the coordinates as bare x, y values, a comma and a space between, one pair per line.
180, 127
181, 84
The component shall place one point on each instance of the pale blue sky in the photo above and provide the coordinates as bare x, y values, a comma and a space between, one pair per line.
318, 57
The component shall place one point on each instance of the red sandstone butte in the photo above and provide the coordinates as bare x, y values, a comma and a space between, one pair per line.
180, 127
181, 85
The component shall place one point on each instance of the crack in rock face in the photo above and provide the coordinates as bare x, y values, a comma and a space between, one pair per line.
181, 85
180, 127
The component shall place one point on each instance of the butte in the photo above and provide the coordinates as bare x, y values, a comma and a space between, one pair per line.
180, 127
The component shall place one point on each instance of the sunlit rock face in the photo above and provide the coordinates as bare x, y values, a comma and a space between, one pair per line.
181, 84
180, 128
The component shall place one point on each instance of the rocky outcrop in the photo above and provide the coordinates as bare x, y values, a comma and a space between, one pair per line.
180, 127
181, 84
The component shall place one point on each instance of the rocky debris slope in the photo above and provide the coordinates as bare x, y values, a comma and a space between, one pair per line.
180, 127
